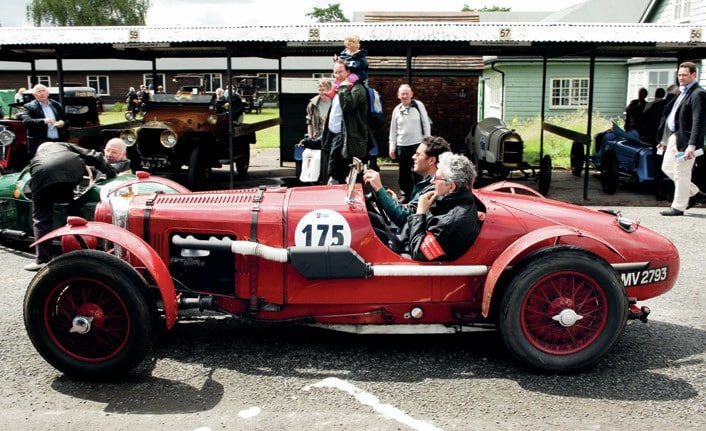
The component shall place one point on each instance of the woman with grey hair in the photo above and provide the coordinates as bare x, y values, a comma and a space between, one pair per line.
445, 224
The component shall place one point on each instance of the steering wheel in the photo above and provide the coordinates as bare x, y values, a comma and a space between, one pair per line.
85, 184
373, 205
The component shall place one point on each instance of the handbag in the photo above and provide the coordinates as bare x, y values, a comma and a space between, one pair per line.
311, 166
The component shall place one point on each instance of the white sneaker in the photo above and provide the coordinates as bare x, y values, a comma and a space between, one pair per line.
34, 266
332, 182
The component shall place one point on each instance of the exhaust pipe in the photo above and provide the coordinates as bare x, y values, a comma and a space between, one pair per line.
17, 235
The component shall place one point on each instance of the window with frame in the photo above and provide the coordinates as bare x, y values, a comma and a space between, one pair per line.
649, 79
211, 81
682, 10
100, 83
147, 81
268, 82
495, 91
318, 76
569, 93
41, 79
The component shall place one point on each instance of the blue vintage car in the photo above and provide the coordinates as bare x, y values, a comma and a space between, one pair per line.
620, 156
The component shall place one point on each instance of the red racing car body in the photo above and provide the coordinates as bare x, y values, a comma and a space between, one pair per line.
557, 281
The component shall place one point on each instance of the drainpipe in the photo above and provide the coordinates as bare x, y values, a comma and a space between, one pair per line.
502, 89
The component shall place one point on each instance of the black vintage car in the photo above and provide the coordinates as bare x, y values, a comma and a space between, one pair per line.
187, 128
81, 107
247, 87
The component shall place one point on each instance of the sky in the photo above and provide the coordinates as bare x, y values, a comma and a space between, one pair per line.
283, 12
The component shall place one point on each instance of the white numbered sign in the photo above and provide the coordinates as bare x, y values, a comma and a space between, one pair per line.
322, 228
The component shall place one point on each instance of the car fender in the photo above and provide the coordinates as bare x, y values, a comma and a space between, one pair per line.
141, 250
143, 176
519, 246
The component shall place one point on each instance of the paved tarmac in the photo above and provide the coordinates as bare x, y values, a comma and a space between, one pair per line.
265, 166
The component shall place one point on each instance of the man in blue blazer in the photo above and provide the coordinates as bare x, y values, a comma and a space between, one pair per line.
682, 133
44, 120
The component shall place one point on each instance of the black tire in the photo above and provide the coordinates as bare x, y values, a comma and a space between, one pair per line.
545, 175
199, 169
562, 283
104, 293
577, 158
242, 162
609, 172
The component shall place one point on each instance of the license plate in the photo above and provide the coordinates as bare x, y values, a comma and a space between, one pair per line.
646, 276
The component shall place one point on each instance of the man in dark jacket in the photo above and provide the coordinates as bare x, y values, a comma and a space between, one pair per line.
44, 120
56, 170
346, 133
648, 130
445, 224
682, 133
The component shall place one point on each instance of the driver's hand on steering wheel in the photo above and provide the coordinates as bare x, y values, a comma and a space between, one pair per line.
372, 178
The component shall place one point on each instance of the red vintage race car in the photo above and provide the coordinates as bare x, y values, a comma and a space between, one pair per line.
558, 281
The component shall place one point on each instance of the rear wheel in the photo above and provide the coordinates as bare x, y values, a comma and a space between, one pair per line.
563, 310
242, 162
609, 172
87, 314
545, 175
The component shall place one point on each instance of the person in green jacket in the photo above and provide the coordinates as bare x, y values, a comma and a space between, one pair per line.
426, 160
346, 133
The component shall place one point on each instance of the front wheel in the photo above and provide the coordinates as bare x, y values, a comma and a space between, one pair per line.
87, 314
199, 169
563, 310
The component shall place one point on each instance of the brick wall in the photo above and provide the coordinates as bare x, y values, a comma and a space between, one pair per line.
452, 115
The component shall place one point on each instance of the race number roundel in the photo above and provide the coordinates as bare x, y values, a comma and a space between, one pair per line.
322, 228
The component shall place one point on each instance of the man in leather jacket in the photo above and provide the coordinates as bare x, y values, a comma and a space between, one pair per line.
115, 153
44, 120
445, 223
56, 170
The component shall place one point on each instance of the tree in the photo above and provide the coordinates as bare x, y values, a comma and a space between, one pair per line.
332, 13
87, 12
467, 8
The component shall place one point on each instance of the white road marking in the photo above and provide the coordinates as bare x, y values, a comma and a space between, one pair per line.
371, 400
250, 413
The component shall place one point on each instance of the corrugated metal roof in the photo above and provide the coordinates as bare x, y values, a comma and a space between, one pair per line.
330, 32
398, 38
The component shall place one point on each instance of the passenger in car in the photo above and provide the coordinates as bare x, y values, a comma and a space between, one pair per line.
426, 160
445, 223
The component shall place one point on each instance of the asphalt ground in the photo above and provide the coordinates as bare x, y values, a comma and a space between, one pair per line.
213, 372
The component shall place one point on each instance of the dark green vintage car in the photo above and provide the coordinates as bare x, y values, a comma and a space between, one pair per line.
16, 203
